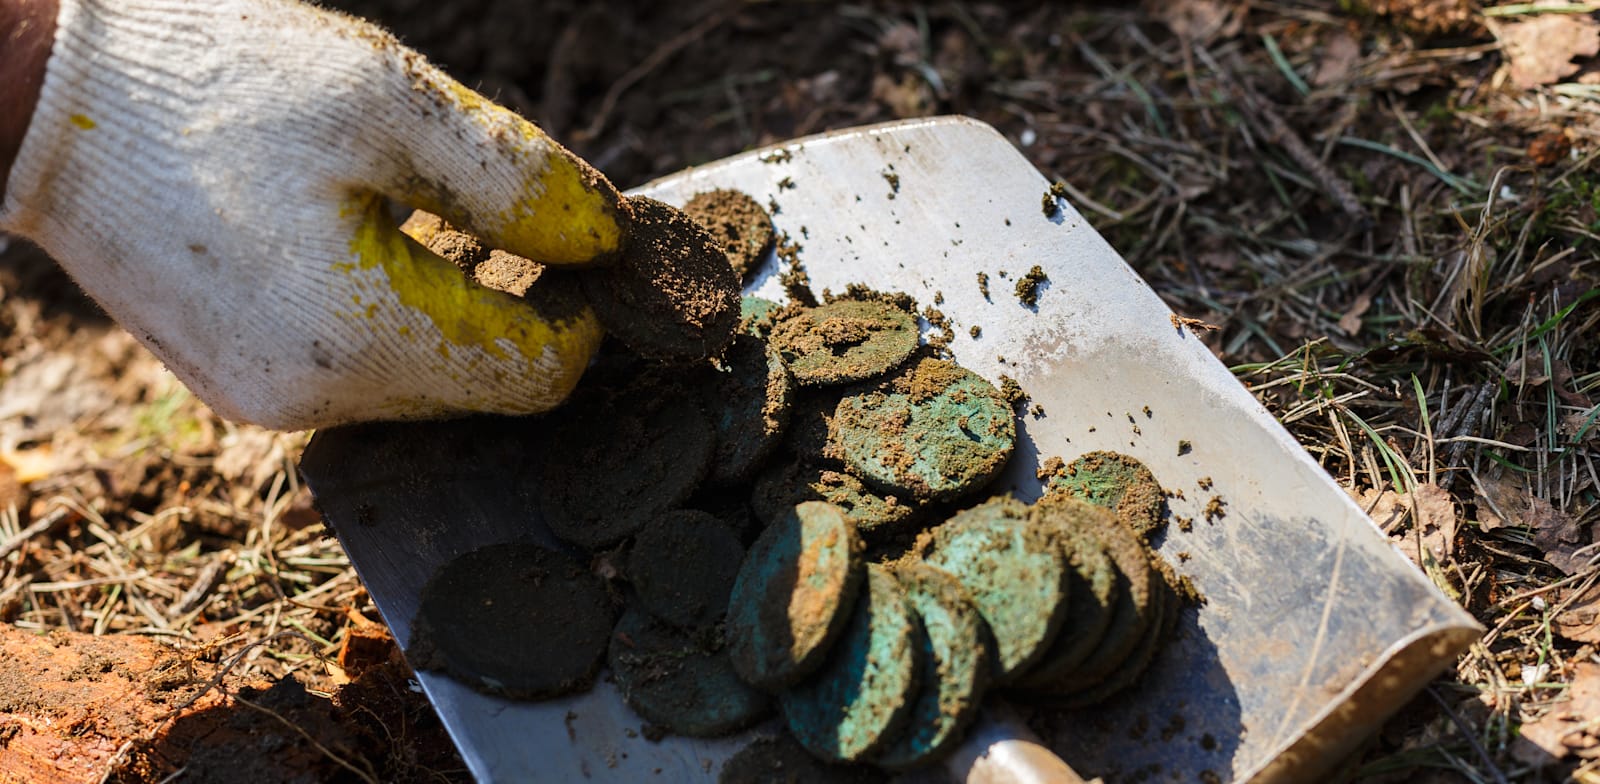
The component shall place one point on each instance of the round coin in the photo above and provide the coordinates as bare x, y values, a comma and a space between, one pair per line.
672, 295
737, 223
678, 682
955, 668
756, 315
864, 692
1093, 598
1163, 616
516, 620
687, 597
935, 431
1117, 482
1132, 613
753, 394
844, 341
793, 595
610, 465
1013, 570
785, 484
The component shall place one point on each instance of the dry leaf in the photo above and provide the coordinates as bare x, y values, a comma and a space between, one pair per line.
1507, 501
1580, 622
1338, 59
1539, 49
1432, 512
1198, 20
1569, 726
1350, 322
1549, 149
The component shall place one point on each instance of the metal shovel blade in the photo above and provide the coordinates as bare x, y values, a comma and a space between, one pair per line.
1313, 628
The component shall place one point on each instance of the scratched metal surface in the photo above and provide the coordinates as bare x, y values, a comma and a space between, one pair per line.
1313, 629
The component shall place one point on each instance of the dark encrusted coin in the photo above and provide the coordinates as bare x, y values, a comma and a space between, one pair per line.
610, 465
793, 595
1117, 482
935, 430
781, 760
516, 620
1014, 572
738, 224
864, 692
955, 667
672, 295
1093, 596
752, 395
784, 484
809, 433
680, 681
683, 565
1132, 613
844, 341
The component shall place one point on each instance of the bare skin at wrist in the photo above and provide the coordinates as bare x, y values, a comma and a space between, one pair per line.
27, 30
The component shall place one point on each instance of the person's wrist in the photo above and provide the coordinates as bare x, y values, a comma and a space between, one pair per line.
27, 29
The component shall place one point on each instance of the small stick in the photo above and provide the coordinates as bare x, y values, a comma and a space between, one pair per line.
38, 527
1272, 127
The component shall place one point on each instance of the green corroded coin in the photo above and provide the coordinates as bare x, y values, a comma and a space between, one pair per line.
756, 315
1164, 608
1117, 482
1093, 596
781, 760
864, 692
612, 464
785, 484
1132, 613
844, 341
752, 394
1013, 570
517, 620
683, 565
678, 681
934, 431
793, 595
955, 667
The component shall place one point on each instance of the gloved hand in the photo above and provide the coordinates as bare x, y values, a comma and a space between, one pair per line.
215, 175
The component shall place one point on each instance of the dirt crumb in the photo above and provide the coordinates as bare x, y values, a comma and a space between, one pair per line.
1028, 285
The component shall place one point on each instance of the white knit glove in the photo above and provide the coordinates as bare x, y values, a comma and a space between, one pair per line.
214, 173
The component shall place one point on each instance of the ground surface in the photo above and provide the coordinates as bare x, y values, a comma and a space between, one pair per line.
1386, 210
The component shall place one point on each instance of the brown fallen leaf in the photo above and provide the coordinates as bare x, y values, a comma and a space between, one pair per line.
1568, 727
1431, 510
1549, 149
1540, 49
1350, 322
1580, 622
1337, 60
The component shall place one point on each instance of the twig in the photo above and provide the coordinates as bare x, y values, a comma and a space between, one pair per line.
1271, 126
40, 526
1466, 732
654, 60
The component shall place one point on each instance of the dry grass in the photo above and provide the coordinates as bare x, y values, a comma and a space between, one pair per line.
1348, 195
